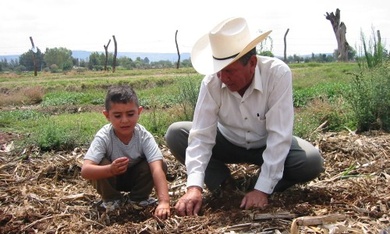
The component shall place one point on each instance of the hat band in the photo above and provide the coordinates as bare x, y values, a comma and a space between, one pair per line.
226, 57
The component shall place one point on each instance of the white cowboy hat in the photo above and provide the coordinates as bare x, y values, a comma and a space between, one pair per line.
224, 44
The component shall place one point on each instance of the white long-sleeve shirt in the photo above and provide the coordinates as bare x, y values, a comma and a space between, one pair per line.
264, 115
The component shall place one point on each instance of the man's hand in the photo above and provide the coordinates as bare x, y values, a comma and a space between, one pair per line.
254, 199
119, 166
190, 203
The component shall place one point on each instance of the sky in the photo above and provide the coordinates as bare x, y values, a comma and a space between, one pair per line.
150, 25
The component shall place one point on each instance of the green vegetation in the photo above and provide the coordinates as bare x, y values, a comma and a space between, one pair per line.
63, 111
369, 94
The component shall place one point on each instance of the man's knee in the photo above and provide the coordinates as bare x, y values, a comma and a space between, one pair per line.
176, 139
316, 162
177, 131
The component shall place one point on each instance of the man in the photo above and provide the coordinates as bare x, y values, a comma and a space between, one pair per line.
244, 114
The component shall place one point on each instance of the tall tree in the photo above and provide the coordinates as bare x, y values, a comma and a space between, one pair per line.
339, 30
61, 57
26, 60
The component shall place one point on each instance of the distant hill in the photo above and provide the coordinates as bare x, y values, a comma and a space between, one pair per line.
9, 57
153, 57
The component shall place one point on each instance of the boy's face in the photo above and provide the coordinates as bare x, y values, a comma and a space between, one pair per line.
123, 118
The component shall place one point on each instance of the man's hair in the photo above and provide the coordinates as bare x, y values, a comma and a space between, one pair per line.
120, 94
245, 58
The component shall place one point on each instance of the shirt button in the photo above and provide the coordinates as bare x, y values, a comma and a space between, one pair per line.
245, 118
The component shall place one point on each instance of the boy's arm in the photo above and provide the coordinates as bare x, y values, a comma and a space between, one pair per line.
160, 181
93, 171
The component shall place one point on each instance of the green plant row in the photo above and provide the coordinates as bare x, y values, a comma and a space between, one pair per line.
69, 113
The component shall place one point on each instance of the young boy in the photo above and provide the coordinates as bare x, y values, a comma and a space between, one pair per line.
124, 156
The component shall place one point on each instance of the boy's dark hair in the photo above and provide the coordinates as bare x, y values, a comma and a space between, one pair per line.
120, 94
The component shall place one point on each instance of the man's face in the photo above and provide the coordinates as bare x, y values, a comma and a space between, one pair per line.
237, 77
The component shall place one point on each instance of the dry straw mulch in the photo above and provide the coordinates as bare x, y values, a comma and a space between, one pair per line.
44, 193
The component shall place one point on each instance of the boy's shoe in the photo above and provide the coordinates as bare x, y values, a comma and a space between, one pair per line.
112, 205
146, 202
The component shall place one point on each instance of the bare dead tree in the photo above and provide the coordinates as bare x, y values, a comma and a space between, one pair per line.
378, 46
178, 52
115, 53
33, 57
339, 30
106, 51
285, 45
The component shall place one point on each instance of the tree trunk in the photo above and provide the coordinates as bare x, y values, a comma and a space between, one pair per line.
106, 51
115, 52
285, 45
178, 52
33, 57
339, 30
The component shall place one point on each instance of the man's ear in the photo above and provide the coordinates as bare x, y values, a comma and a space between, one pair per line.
253, 60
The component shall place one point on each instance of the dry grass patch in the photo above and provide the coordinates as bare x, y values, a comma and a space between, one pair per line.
21, 96
44, 193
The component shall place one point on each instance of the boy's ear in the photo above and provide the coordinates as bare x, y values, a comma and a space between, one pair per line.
105, 113
140, 109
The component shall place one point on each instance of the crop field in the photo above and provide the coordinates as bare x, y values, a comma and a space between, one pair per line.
47, 122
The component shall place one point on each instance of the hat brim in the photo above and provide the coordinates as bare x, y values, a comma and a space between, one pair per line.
202, 59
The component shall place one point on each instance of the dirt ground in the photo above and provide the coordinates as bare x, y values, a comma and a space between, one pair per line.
44, 193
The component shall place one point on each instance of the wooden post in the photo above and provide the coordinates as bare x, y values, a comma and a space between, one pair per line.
285, 45
115, 52
178, 52
106, 51
33, 55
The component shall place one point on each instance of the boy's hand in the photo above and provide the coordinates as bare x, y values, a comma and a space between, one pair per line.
163, 210
119, 166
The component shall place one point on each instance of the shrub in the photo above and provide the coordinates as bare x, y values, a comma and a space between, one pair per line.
370, 99
188, 96
370, 88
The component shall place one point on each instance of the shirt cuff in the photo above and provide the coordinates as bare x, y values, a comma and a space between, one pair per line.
195, 179
265, 185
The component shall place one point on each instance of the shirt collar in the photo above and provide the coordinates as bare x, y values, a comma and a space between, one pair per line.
257, 80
